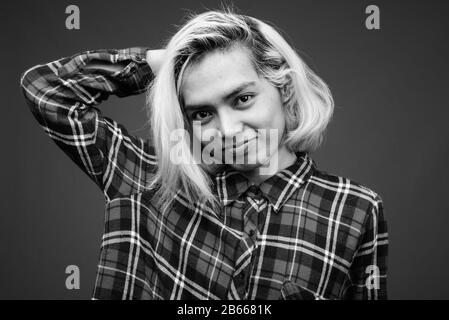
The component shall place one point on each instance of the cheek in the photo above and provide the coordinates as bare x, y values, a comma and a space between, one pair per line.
269, 114
279, 121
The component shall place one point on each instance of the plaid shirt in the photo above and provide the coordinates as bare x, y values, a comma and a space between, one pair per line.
301, 234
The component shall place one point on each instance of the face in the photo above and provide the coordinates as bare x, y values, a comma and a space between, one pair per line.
227, 101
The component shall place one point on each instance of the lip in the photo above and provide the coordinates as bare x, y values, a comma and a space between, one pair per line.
243, 146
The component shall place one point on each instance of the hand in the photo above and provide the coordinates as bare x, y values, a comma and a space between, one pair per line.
155, 58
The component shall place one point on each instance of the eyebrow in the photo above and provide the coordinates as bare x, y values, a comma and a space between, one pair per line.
227, 96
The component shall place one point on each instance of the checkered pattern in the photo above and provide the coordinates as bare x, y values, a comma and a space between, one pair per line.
301, 234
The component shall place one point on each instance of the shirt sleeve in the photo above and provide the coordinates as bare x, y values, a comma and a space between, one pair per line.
367, 277
63, 96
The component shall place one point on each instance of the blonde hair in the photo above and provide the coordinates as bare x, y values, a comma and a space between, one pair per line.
308, 102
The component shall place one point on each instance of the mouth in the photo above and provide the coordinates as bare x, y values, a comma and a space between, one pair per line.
239, 147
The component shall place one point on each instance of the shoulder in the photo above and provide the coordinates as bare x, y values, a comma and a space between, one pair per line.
344, 197
346, 185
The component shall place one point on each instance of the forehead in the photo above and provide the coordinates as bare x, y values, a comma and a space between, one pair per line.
216, 74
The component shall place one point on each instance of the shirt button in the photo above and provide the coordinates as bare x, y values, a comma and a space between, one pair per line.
252, 189
252, 234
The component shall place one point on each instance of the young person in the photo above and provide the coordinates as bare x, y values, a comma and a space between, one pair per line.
262, 223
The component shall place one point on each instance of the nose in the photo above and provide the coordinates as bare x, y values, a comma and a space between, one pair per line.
229, 124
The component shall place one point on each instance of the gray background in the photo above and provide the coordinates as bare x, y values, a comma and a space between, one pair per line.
389, 131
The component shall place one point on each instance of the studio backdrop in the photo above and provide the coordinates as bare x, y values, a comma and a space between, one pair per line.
386, 63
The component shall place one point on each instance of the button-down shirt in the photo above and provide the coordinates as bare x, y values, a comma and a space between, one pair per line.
301, 234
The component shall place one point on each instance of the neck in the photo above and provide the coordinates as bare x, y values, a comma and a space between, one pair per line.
278, 161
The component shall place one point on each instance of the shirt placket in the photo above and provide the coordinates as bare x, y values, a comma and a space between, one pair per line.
246, 253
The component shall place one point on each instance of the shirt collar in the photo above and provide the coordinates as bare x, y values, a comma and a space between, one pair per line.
231, 184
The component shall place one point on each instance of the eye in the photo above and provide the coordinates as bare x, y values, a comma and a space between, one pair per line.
203, 116
245, 98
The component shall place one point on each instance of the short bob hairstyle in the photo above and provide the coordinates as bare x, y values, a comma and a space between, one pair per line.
308, 103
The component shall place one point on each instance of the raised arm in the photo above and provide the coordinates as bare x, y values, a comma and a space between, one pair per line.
63, 96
